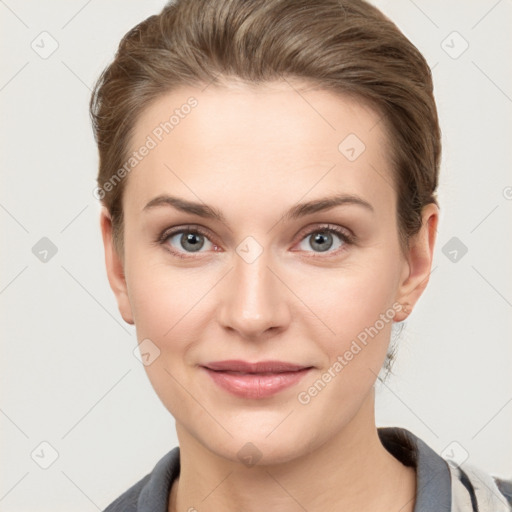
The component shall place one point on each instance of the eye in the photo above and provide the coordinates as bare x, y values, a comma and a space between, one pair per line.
187, 240
323, 239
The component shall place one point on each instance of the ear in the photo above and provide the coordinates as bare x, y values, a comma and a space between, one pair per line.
419, 256
115, 270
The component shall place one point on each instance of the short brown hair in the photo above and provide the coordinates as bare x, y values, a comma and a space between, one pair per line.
346, 46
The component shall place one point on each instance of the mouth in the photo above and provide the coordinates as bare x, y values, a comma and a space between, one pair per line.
255, 380
261, 367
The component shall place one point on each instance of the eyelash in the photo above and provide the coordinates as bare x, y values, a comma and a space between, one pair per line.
347, 239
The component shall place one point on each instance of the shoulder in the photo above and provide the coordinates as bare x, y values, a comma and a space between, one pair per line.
476, 489
443, 485
505, 487
151, 492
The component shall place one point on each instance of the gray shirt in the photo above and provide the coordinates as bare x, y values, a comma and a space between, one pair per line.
440, 486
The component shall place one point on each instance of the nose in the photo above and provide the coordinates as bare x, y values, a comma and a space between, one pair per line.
254, 299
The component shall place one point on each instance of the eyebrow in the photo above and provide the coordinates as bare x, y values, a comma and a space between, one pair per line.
296, 212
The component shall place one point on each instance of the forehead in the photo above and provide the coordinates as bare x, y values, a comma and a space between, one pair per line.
263, 139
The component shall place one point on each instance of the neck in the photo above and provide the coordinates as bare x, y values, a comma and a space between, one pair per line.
352, 471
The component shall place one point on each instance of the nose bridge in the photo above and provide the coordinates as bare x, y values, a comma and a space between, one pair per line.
254, 301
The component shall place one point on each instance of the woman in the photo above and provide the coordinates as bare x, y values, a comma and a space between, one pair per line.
268, 171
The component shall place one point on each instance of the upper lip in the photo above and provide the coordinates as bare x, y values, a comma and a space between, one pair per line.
236, 365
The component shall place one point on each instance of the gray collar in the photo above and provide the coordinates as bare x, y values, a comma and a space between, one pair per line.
433, 478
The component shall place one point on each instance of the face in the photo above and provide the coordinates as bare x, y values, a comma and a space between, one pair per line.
247, 273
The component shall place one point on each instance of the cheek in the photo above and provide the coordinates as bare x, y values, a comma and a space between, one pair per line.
169, 311
353, 299
357, 314
169, 304
167, 301
354, 316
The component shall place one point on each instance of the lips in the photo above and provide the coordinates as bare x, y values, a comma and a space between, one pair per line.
244, 367
255, 380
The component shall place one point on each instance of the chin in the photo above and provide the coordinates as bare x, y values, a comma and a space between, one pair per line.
256, 449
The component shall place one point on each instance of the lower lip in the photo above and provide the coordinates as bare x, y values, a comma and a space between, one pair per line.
254, 385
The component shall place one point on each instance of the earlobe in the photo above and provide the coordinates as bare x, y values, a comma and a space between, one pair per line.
115, 268
419, 262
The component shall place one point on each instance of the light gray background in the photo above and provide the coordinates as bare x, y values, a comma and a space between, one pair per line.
68, 374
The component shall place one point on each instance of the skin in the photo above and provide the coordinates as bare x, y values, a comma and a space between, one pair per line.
253, 153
